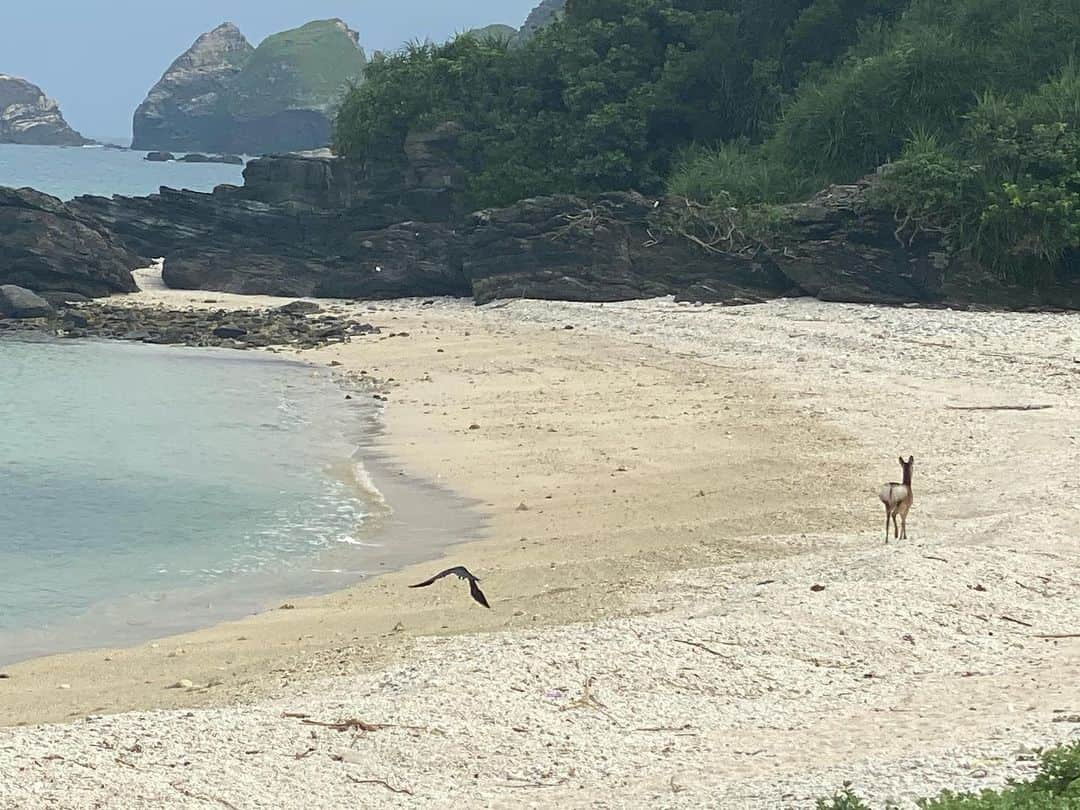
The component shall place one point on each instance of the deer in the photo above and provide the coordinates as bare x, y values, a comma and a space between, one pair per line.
898, 499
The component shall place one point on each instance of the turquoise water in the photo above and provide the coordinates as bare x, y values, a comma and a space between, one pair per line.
148, 490
67, 172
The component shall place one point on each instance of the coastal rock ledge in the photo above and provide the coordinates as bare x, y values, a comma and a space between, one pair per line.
46, 247
320, 226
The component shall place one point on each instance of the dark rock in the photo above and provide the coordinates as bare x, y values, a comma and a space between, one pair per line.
229, 331
301, 308
20, 303
59, 298
75, 320
46, 245
198, 157
601, 249
160, 157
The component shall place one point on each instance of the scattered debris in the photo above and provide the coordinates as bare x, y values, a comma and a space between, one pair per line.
381, 783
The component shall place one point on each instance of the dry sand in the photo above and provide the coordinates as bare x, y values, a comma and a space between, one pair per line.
688, 474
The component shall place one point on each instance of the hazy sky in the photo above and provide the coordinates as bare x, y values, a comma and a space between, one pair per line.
99, 58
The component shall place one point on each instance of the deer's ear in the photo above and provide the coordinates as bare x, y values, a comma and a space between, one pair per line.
902, 462
911, 460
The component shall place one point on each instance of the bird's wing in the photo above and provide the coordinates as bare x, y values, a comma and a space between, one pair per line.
478, 594
434, 579
457, 571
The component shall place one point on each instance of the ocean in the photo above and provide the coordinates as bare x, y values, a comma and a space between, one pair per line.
150, 490
68, 172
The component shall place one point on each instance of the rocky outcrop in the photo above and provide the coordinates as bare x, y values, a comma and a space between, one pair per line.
223, 95
46, 246
27, 116
608, 248
506, 33
543, 15
20, 303
312, 225
199, 157
232, 329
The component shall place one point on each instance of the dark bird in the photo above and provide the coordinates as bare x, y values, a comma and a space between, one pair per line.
464, 573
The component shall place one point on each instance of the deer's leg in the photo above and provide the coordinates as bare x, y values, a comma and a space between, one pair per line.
896, 527
886, 524
903, 525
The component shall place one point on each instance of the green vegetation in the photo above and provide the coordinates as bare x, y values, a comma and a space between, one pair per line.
975, 104
307, 67
1056, 787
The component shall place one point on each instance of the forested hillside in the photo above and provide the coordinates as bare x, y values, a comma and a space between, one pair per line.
974, 104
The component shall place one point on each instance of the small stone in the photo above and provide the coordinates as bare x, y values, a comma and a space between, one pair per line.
183, 683
521, 507
287, 606
230, 331
474, 426
65, 686
301, 308
817, 588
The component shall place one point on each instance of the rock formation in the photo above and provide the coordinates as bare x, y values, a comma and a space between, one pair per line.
544, 14
45, 246
19, 303
607, 248
27, 116
497, 31
222, 95
313, 225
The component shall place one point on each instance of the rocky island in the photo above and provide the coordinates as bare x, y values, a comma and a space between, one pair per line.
223, 95
28, 116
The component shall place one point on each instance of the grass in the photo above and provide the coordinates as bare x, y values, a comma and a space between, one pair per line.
1055, 787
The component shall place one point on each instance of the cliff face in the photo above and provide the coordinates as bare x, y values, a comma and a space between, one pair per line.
223, 95
185, 111
27, 116
544, 14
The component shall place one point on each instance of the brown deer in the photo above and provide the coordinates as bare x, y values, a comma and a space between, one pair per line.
898, 499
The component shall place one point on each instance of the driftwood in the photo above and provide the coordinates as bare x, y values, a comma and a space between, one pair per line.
1016, 621
1059, 635
380, 783
346, 725
998, 407
701, 647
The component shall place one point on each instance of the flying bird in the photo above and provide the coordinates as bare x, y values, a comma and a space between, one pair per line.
463, 573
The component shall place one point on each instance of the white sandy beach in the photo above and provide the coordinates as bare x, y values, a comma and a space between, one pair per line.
663, 486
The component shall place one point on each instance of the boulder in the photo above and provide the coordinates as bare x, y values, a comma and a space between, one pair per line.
20, 303
301, 308
160, 157
45, 245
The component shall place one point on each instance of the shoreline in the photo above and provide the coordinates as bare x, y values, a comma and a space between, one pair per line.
393, 538
687, 474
